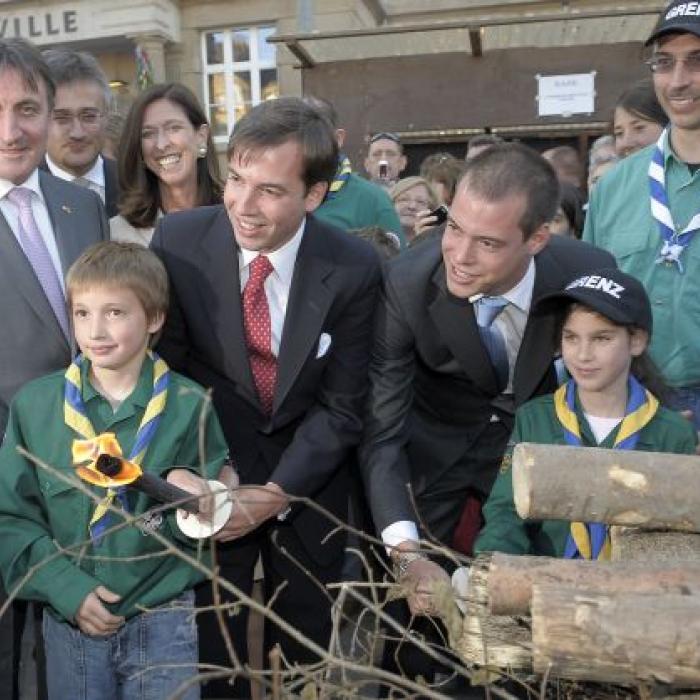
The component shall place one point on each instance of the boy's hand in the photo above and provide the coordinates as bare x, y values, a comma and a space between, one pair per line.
186, 480
93, 618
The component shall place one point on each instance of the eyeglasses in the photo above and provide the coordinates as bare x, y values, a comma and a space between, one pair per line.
665, 64
385, 135
89, 118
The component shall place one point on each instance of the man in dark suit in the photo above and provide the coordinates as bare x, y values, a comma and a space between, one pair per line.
45, 224
456, 352
273, 310
78, 125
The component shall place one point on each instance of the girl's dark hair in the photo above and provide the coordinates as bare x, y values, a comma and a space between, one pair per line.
139, 199
643, 367
571, 203
640, 100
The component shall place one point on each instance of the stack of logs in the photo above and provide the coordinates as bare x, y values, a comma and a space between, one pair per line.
635, 619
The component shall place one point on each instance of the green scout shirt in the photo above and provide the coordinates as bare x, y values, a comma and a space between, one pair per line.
40, 513
360, 203
619, 220
536, 421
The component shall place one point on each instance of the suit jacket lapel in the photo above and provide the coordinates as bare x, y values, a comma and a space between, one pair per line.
455, 321
535, 357
16, 265
309, 300
221, 300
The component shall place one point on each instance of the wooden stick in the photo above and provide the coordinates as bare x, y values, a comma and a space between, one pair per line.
619, 487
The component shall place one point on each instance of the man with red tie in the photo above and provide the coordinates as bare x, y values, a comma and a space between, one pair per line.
273, 310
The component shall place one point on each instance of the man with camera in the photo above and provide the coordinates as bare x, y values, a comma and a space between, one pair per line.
385, 159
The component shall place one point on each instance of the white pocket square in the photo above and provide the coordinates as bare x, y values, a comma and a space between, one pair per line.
324, 343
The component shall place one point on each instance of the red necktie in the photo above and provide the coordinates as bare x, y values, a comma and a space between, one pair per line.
258, 334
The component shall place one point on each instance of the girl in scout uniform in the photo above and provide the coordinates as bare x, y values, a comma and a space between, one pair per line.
604, 326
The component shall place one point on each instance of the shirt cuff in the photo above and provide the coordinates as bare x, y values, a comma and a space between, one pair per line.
398, 532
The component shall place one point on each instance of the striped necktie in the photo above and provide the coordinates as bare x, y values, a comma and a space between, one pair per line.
487, 308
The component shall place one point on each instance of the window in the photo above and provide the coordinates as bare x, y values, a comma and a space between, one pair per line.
240, 72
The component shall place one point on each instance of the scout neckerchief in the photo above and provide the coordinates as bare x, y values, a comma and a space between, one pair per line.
674, 243
591, 540
75, 417
342, 174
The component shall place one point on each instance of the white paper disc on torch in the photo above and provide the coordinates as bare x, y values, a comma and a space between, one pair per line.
193, 527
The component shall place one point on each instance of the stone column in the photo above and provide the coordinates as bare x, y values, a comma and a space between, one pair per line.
154, 46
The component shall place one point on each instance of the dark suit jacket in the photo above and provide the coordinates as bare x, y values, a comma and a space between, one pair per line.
432, 388
33, 343
111, 184
317, 416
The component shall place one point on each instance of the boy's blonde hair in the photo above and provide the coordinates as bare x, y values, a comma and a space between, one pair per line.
127, 265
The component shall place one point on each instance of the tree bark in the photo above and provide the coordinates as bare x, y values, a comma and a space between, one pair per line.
634, 544
619, 487
510, 579
617, 638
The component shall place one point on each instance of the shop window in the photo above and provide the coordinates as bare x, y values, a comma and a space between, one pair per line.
240, 71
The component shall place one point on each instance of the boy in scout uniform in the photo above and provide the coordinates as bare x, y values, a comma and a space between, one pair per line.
96, 574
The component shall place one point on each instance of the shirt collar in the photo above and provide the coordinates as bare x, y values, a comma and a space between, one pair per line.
521, 294
283, 259
141, 394
31, 183
96, 174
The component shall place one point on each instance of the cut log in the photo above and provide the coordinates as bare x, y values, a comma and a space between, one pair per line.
494, 642
510, 579
620, 638
619, 487
633, 544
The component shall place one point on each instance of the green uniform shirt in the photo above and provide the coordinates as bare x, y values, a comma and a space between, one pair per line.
536, 421
360, 203
619, 220
40, 513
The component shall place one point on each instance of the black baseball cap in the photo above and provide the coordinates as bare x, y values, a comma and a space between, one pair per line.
609, 291
677, 17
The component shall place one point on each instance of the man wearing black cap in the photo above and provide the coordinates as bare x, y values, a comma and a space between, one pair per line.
646, 211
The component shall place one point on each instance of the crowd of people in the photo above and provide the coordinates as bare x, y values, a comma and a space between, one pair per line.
326, 346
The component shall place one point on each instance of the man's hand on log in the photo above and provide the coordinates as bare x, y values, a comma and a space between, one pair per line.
419, 576
252, 506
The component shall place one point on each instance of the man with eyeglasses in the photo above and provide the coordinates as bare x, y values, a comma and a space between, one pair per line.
78, 125
646, 210
385, 159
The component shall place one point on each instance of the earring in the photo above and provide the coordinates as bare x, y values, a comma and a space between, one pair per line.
202, 151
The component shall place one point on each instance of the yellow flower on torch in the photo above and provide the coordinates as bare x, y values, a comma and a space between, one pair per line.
101, 462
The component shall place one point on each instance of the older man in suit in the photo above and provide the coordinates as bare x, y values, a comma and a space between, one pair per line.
45, 224
78, 125
273, 310
456, 352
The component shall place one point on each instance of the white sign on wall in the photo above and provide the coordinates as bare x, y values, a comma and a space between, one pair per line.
564, 95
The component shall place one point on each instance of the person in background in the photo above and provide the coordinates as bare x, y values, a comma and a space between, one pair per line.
410, 196
601, 157
77, 130
351, 201
568, 221
611, 401
385, 159
166, 161
566, 163
638, 119
646, 211
479, 143
113, 134
386, 243
442, 171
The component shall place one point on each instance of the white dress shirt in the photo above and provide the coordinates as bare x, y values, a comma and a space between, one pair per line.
41, 216
95, 177
278, 283
511, 322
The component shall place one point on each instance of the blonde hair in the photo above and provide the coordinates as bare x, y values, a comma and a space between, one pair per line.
126, 265
408, 183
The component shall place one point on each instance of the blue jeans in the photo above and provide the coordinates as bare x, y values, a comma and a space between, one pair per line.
149, 658
687, 398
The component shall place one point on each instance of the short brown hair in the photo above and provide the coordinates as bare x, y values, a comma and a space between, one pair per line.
275, 122
126, 265
443, 168
24, 58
